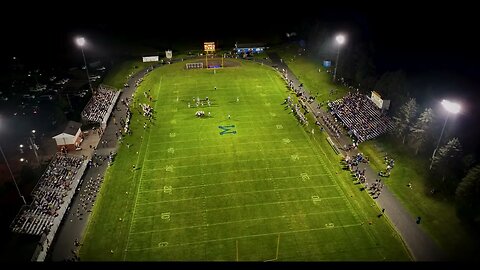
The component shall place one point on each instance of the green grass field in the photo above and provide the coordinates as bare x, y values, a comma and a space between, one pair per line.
437, 212
271, 191
306, 71
118, 76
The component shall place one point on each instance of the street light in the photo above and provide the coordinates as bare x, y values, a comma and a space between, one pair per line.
13, 177
81, 42
450, 107
340, 40
34, 147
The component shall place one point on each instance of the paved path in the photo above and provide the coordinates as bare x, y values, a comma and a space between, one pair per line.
420, 244
74, 226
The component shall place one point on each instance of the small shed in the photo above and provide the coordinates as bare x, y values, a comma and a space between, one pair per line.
249, 48
70, 138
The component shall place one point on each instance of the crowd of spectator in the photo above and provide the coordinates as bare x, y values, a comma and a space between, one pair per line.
98, 106
353, 165
49, 194
296, 108
389, 162
360, 116
332, 125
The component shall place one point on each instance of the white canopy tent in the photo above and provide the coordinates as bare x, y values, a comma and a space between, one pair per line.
70, 137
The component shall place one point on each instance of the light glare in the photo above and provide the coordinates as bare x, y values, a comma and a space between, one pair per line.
80, 41
451, 106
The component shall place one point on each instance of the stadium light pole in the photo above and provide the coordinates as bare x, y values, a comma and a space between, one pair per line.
33, 145
81, 42
450, 107
340, 40
13, 177
11, 174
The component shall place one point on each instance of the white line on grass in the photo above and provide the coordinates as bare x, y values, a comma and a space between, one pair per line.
288, 158
298, 149
270, 125
139, 181
236, 182
234, 193
292, 147
239, 206
279, 141
346, 200
269, 131
240, 221
230, 171
251, 236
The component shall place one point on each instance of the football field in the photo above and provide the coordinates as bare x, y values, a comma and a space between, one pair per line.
246, 182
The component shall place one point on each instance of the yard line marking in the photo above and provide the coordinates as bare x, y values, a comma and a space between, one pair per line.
219, 154
267, 127
139, 181
239, 206
237, 248
216, 140
229, 194
239, 221
279, 147
348, 203
233, 182
230, 171
224, 162
252, 235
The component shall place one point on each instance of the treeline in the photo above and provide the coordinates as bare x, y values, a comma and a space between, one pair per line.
453, 171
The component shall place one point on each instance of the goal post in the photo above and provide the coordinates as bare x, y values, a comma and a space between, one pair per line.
194, 65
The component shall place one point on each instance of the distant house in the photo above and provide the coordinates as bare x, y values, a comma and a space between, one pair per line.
249, 48
70, 138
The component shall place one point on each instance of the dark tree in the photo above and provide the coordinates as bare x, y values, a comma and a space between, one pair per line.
421, 131
405, 119
392, 85
467, 197
447, 165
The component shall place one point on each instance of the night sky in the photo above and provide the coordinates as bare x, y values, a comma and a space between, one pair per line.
406, 34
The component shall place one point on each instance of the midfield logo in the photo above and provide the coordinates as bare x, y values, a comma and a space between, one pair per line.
227, 130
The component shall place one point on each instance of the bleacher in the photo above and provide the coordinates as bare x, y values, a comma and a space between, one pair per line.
99, 107
56, 183
361, 116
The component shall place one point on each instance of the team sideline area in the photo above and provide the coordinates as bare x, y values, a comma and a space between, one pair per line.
217, 168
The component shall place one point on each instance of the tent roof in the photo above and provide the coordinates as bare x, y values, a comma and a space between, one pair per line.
63, 135
72, 127
250, 45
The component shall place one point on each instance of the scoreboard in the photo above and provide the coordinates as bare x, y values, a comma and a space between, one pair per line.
377, 99
209, 46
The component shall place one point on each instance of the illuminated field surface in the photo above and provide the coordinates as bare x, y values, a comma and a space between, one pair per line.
257, 186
